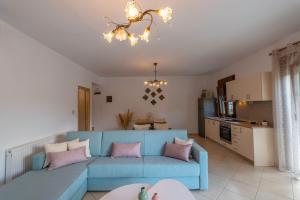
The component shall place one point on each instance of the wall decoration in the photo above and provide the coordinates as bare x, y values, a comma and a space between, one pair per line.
153, 94
161, 97
153, 102
154, 89
108, 99
145, 97
125, 119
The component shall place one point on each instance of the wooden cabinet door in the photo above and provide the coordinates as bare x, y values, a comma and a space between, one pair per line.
247, 148
208, 128
252, 88
231, 88
216, 131
236, 138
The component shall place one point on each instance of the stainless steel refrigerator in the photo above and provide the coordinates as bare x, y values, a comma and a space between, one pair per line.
206, 108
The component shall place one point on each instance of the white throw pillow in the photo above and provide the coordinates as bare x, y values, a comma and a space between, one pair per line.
183, 142
53, 148
72, 141
84, 143
141, 127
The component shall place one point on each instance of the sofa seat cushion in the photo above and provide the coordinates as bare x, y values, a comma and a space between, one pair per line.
107, 167
60, 184
160, 166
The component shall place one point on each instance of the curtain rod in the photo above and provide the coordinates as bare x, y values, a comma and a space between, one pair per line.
281, 49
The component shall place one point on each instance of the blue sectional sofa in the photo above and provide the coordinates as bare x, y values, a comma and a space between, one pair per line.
102, 173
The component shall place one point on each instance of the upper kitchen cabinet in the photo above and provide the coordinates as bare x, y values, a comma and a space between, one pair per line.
256, 87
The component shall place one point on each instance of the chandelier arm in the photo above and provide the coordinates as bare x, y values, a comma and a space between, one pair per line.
151, 19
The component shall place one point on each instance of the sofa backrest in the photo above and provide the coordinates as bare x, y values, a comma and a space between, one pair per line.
155, 140
122, 136
94, 136
152, 141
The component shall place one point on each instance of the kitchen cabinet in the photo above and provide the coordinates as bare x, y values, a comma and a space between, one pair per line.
257, 87
232, 90
242, 141
212, 130
255, 144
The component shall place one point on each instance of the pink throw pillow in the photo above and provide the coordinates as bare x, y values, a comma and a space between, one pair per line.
126, 150
178, 151
60, 159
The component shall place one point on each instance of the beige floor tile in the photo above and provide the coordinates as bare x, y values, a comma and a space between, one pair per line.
88, 196
198, 195
242, 189
98, 195
228, 195
248, 175
272, 174
296, 189
225, 172
216, 186
270, 196
281, 190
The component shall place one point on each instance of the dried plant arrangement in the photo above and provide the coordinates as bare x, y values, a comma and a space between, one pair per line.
125, 119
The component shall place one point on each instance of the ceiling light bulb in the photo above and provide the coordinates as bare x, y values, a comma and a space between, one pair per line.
133, 40
166, 14
166, 83
146, 83
108, 36
157, 86
131, 10
121, 34
145, 35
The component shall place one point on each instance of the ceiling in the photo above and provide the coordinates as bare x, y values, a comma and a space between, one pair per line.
204, 35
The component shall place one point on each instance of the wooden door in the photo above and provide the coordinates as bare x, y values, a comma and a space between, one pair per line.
84, 108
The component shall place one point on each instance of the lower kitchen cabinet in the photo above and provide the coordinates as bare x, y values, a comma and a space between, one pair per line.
255, 144
212, 130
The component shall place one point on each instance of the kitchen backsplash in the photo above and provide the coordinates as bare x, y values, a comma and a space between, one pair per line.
255, 111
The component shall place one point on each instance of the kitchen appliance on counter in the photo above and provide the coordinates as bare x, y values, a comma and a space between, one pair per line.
225, 132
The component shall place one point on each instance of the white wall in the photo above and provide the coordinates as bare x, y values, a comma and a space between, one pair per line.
38, 90
179, 108
259, 61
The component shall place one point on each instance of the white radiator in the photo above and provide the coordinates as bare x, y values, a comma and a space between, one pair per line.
18, 159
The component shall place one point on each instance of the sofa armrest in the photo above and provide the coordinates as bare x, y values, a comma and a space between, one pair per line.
201, 156
38, 160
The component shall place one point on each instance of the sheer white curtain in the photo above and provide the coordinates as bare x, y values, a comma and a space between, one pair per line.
286, 74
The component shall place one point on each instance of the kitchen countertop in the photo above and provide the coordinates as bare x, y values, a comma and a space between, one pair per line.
243, 124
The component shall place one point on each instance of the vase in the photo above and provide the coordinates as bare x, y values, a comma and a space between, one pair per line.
155, 197
143, 195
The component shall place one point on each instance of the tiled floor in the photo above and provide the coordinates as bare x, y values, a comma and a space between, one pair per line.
233, 178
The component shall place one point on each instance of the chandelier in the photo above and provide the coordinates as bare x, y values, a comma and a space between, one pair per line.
134, 14
155, 82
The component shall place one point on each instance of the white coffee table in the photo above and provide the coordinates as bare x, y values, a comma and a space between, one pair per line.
127, 192
167, 189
